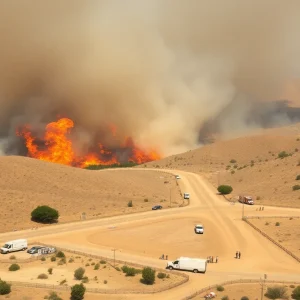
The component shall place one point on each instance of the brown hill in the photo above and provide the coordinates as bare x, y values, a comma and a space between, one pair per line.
251, 164
26, 183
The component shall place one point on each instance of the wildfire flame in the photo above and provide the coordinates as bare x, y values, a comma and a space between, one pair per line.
57, 147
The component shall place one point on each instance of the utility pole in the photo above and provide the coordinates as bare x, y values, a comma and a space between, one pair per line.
114, 257
170, 196
243, 211
262, 286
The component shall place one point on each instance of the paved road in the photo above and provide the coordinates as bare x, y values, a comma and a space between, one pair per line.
227, 233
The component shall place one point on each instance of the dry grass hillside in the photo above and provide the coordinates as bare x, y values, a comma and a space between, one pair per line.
251, 164
26, 183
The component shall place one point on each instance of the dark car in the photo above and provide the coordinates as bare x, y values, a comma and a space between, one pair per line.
34, 249
156, 207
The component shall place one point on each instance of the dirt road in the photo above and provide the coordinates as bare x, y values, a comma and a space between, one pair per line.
143, 237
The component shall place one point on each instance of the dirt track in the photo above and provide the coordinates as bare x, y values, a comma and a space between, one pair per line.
142, 237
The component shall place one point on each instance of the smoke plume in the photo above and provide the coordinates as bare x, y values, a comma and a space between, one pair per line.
157, 69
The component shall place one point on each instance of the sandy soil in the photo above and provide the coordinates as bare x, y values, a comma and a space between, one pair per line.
26, 183
287, 233
251, 290
256, 169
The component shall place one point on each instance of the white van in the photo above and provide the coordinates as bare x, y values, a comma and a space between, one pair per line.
188, 264
15, 245
186, 196
199, 228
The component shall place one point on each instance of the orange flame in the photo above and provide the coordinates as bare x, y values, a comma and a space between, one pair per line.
59, 149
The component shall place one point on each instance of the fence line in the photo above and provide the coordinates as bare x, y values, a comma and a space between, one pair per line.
272, 240
206, 289
263, 217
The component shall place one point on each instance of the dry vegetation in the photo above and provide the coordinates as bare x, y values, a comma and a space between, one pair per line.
26, 183
286, 231
264, 165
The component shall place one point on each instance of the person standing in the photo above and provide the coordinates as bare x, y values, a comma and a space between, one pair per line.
212, 259
166, 257
217, 258
239, 254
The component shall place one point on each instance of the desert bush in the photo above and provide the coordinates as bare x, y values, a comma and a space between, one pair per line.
220, 288
63, 282
232, 172
225, 298
78, 274
96, 267
283, 154
53, 296
12, 257
77, 292
298, 177
14, 267
296, 187
60, 254
244, 298
92, 264
43, 276
224, 189
146, 200
277, 224
62, 261
50, 270
85, 279
161, 275
130, 204
43, 258
44, 214
276, 292
71, 260
232, 161
87, 265
102, 262
296, 293
267, 223
117, 269
148, 276
105, 281
53, 258
5, 288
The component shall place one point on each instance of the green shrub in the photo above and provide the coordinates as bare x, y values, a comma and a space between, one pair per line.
277, 224
220, 288
282, 154
161, 275
296, 293
118, 269
44, 214
85, 279
130, 272
276, 292
146, 200
14, 267
12, 257
5, 288
53, 258
298, 177
60, 254
102, 262
53, 296
148, 275
43, 258
77, 292
43, 276
61, 262
71, 260
129, 204
224, 189
105, 281
244, 298
63, 282
296, 187
225, 298
96, 267
78, 274
50, 270
232, 161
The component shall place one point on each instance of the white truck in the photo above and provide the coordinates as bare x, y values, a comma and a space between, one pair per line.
13, 246
186, 196
197, 265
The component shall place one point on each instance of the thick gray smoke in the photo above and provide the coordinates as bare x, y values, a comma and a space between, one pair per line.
157, 69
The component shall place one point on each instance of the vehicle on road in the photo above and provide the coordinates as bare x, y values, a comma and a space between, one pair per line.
177, 177
186, 196
196, 265
246, 200
13, 246
156, 207
34, 249
199, 229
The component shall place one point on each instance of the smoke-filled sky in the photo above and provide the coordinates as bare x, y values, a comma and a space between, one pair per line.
157, 69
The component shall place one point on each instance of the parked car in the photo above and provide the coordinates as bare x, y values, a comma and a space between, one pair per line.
199, 228
186, 196
34, 249
156, 207
178, 177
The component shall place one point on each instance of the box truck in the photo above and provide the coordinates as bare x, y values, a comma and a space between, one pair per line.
246, 200
15, 245
188, 264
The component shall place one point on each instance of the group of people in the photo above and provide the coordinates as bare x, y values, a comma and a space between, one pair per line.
210, 259
164, 257
238, 254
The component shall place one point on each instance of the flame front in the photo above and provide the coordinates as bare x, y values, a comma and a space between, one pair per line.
58, 148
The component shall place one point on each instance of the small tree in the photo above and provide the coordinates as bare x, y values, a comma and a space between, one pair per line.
225, 189
130, 204
53, 296
44, 214
5, 288
77, 291
78, 274
276, 292
60, 254
296, 293
148, 275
